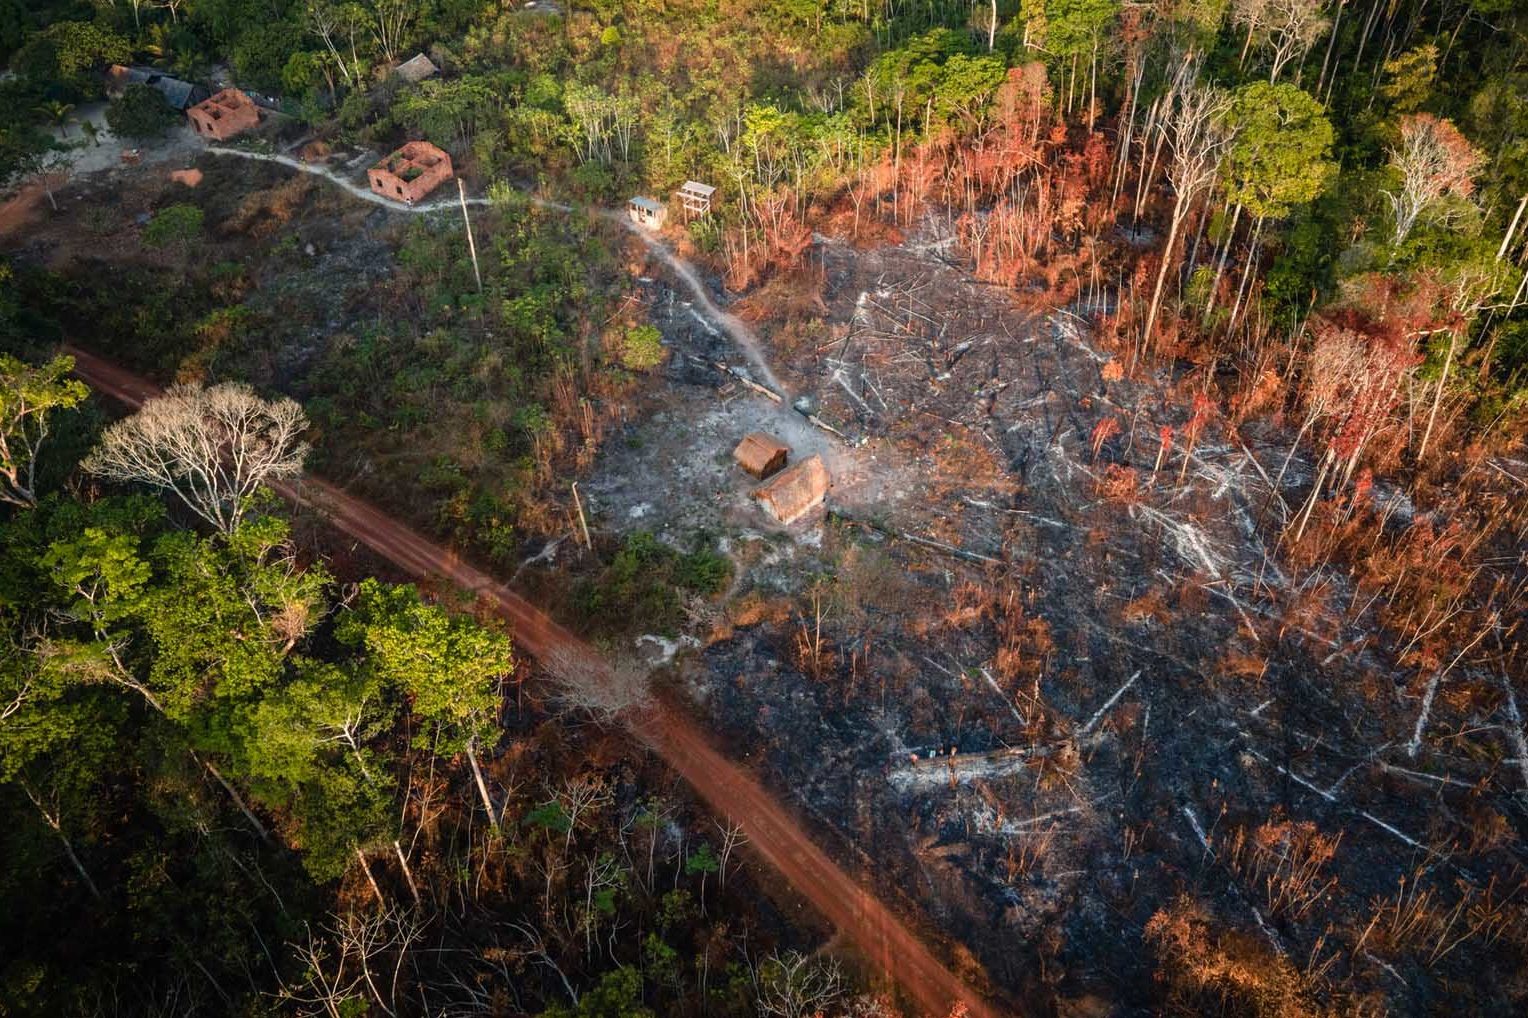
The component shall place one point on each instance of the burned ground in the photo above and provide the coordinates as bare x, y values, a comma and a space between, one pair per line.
1134, 689
1043, 681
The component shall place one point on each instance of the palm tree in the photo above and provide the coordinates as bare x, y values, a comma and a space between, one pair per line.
58, 112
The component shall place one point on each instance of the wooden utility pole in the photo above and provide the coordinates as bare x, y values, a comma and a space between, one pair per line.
461, 192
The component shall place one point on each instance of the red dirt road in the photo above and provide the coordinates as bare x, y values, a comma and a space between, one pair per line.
729, 790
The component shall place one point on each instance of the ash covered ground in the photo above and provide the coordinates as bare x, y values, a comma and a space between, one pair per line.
1034, 681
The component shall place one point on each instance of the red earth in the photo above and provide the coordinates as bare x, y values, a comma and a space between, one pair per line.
728, 789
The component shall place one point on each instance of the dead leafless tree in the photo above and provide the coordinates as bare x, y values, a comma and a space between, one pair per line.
1196, 131
346, 963
1435, 162
580, 796
796, 986
213, 448
587, 684
1287, 28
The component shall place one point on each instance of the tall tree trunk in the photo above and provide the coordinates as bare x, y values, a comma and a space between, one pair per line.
1432, 416
1331, 43
55, 824
1179, 212
1220, 262
482, 786
1252, 253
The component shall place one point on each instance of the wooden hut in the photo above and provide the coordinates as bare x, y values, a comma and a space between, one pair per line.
795, 491
646, 212
760, 454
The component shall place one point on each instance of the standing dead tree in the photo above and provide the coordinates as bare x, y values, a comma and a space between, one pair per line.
213, 448
1286, 28
1435, 162
1196, 131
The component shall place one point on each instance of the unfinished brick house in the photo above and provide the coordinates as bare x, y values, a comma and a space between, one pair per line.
411, 172
226, 114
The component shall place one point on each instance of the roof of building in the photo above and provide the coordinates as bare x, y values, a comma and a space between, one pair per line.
793, 492
758, 451
179, 94
646, 204
696, 187
416, 68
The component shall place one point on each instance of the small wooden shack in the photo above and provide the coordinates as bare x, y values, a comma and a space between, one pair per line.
416, 68
696, 197
760, 454
795, 491
411, 172
646, 212
226, 114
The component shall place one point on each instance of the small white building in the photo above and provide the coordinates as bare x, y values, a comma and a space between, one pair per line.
646, 212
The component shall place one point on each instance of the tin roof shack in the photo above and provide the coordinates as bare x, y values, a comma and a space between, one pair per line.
181, 95
416, 69
226, 114
696, 197
760, 454
794, 492
410, 173
646, 212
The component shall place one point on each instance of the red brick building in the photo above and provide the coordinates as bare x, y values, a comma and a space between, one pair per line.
410, 173
226, 114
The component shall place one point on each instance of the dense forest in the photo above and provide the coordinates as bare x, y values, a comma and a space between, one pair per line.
248, 767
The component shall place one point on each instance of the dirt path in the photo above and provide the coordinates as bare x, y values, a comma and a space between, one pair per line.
730, 324
21, 208
729, 790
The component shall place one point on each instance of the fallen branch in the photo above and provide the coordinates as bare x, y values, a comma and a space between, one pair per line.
1515, 733
1432, 690
1093, 722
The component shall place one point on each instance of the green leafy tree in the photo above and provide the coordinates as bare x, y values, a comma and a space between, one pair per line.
29, 397
141, 113
618, 995
1280, 157
68, 52
449, 669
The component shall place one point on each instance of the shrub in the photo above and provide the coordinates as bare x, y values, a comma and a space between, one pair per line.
642, 348
177, 225
647, 582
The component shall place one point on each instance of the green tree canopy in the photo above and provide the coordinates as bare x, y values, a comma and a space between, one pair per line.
449, 668
141, 113
1281, 155
29, 397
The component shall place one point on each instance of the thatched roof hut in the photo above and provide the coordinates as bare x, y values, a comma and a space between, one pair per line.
794, 492
760, 454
